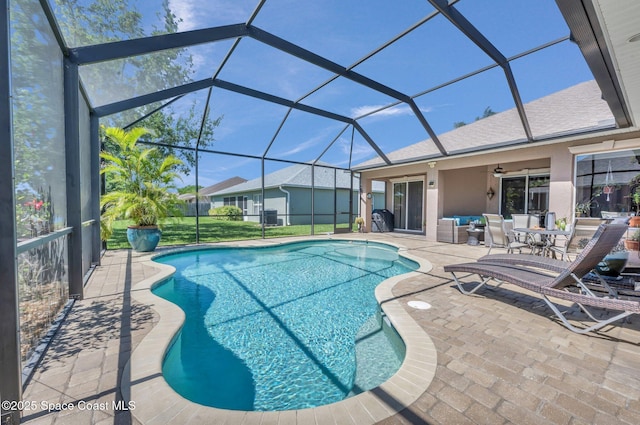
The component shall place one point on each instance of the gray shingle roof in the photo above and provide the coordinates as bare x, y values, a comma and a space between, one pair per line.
577, 109
296, 175
210, 190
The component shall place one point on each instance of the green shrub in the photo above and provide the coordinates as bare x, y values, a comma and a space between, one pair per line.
226, 213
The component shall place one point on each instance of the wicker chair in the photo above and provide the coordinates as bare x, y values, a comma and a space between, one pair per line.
548, 278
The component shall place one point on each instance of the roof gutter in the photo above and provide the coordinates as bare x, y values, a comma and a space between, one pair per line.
578, 137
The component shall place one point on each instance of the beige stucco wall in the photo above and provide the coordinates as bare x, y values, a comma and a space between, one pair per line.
460, 183
464, 191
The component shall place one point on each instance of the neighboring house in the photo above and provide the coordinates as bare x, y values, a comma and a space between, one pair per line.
206, 192
575, 147
287, 196
205, 195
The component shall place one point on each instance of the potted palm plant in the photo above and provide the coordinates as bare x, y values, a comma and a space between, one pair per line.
141, 180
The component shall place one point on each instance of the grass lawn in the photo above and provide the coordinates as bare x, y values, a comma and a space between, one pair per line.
184, 231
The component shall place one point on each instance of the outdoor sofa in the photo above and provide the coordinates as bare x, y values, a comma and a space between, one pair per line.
454, 229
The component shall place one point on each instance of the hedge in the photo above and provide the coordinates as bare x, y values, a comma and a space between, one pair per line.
226, 213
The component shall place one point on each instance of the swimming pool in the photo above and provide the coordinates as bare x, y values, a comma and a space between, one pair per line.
280, 328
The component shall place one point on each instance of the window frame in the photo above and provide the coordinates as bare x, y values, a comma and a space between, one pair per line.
527, 176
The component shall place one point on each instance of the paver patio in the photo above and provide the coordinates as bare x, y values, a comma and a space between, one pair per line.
501, 357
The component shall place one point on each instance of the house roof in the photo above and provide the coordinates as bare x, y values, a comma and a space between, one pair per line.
296, 175
210, 190
233, 181
577, 109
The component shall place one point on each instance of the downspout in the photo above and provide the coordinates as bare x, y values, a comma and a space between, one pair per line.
287, 203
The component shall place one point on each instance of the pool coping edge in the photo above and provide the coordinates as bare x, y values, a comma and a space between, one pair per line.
156, 402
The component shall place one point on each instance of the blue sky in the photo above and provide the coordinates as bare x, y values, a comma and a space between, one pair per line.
345, 32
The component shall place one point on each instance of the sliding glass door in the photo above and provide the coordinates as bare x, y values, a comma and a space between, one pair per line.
407, 205
514, 197
524, 195
399, 205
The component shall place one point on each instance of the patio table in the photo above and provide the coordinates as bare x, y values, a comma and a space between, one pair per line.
547, 238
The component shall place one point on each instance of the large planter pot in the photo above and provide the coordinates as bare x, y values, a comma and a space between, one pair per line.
613, 264
634, 221
143, 239
632, 245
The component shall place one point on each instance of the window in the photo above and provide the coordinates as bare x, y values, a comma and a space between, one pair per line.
606, 183
240, 202
524, 195
257, 204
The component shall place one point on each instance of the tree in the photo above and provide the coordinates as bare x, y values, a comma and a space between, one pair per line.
181, 131
188, 189
37, 112
111, 20
487, 113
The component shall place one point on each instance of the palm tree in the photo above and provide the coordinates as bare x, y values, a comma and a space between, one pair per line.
141, 180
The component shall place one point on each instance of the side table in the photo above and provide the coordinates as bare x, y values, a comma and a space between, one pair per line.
476, 235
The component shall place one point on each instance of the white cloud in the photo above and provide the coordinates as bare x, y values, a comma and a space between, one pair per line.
301, 147
196, 14
321, 140
185, 11
367, 109
360, 152
394, 111
358, 149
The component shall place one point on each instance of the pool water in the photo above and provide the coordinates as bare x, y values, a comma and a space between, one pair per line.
279, 328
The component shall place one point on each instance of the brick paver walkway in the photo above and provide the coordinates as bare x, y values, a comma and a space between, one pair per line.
501, 357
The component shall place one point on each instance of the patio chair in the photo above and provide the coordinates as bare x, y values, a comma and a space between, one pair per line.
500, 236
525, 221
552, 264
582, 230
554, 281
557, 266
520, 221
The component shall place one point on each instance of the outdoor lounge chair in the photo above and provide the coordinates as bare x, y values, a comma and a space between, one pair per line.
528, 260
549, 279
